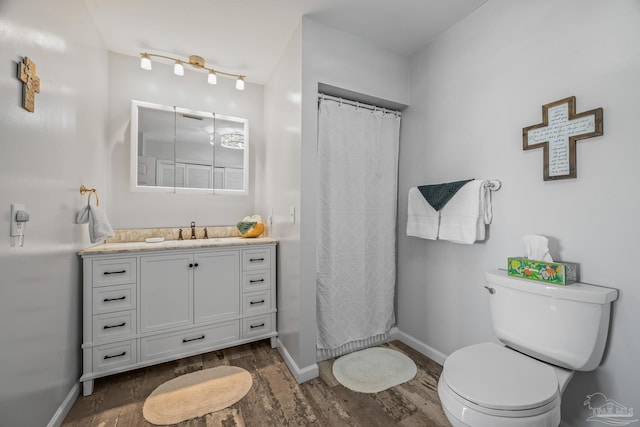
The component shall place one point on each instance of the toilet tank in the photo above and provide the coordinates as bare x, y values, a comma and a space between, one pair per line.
566, 326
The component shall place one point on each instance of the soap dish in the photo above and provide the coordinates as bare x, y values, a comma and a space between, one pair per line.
154, 239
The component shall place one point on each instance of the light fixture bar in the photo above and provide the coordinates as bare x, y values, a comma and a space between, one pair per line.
196, 62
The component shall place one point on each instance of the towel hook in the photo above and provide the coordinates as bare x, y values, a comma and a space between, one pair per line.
91, 191
494, 184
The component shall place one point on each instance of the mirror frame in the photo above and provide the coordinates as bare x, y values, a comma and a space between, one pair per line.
133, 152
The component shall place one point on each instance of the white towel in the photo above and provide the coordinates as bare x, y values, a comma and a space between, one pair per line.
99, 227
463, 218
422, 220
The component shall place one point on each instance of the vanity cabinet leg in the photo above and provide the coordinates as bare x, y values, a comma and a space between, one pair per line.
274, 342
87, 388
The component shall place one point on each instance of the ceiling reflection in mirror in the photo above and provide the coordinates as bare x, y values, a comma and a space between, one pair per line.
179, 149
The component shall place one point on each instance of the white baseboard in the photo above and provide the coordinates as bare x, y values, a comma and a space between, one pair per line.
423, 348
65, 406
394, 333
301, 375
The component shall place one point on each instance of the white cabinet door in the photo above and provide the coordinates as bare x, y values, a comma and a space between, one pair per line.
166, 291
216, 286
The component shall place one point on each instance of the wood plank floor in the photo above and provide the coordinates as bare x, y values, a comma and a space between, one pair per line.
275, 398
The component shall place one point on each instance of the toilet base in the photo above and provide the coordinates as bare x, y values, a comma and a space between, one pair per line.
460, 415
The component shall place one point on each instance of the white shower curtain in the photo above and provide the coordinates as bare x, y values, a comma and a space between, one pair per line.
356, 242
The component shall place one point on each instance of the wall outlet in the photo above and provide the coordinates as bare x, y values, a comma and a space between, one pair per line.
17, 228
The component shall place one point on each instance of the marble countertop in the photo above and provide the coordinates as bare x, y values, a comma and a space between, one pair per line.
111, 248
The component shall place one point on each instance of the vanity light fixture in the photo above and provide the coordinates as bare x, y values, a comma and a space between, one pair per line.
196, 62
240, 83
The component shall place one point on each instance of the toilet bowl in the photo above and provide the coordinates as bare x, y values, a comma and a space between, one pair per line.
489, 385
547, 332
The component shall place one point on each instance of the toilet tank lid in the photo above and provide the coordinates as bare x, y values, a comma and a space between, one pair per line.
576, 291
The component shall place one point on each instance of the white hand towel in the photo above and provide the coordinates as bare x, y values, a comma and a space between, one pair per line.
422, 220
463, 219
99, 226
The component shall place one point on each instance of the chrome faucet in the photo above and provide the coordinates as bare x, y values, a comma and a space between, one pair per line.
193, 229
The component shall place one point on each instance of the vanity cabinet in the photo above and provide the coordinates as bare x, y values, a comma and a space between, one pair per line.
147, 307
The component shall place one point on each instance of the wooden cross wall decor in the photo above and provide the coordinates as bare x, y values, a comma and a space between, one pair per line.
27, 74
561, 127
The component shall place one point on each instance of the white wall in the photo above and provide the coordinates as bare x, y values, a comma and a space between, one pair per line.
282, 113
472, 92
341, 60
127, 81
46, 156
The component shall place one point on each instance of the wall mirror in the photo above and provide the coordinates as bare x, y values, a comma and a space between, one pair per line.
181, 150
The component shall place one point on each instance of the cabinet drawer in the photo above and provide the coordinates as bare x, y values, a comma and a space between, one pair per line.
256, 303
115, 271
114, 325
115, 355
256, 280
184, 342
256, 259
114, 298
255, 326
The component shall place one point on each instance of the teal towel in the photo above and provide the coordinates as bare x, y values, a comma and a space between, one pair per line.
437, 195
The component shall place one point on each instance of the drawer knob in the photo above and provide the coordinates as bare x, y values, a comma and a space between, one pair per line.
106, 273
120, 325
257, 325
192, 339
114, 299
106, 357
257, 302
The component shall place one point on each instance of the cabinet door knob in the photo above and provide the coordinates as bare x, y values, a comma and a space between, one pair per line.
190, 265
195, 265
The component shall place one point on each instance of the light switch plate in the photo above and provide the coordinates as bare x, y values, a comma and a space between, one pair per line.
292, 215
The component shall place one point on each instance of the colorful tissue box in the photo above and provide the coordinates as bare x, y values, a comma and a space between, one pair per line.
557, 273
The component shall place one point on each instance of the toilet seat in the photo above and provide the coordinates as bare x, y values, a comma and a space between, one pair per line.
498, 381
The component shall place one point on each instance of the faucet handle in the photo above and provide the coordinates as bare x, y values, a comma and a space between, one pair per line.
206, 236
180, 235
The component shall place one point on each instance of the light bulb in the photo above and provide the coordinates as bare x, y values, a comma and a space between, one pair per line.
212, 78
178, 69
240, 83
145, 62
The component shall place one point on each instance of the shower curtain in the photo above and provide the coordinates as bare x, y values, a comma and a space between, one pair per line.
356, 242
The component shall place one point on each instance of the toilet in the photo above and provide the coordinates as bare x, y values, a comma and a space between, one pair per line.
547, 332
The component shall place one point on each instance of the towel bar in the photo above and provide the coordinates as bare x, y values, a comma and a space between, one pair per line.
91, 191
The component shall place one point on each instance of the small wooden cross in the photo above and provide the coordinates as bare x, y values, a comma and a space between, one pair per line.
27, 74
561, 127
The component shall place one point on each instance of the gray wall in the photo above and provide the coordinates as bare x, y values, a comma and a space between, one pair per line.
127, 81
316, 54
472, 92
46, 156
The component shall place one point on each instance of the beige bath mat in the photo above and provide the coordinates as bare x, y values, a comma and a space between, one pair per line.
373, 369
196, 394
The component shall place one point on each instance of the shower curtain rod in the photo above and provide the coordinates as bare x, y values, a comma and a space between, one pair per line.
357, 104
